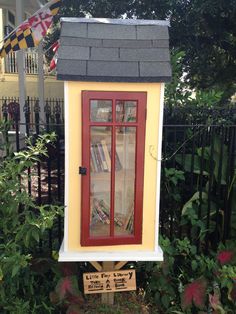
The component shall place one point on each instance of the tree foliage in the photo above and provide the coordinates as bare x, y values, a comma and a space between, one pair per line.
204, 30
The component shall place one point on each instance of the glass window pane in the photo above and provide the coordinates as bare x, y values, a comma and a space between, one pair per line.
100, 181
125, 180
101, 110
126, 111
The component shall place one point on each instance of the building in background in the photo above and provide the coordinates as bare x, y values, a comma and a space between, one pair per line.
9, 86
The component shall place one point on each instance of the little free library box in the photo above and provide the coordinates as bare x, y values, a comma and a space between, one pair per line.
114, 73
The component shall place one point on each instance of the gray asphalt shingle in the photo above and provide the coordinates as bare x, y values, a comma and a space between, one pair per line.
114, 50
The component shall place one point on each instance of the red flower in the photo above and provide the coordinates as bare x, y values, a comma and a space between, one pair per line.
225, 257
194, 293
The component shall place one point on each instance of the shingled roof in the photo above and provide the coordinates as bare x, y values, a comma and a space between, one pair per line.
114, 50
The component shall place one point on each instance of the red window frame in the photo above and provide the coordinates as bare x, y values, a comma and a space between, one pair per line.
140, 124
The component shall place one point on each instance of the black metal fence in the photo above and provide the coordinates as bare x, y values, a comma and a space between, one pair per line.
198, 187
46, 178
53, 106
198, 195
198, 190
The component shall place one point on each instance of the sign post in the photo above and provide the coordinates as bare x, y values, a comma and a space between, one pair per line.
108, 298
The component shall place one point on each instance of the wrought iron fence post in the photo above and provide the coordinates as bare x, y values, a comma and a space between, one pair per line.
27, 116
27, 125
57, 113
36, 115
16, 119
6, 126
39, 178
47, 110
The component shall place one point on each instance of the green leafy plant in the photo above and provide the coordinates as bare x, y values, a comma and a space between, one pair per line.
191, 283
210, 162
23, 225
67, 295
171, 190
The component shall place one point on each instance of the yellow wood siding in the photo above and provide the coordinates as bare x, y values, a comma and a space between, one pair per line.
73, 182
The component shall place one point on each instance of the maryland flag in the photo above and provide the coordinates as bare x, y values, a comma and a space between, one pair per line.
31, 32
53, 62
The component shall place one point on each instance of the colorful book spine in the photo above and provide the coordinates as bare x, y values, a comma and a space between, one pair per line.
98, 159
93, 158
106, 208
118, 165
103, 216
106, 154
102, 156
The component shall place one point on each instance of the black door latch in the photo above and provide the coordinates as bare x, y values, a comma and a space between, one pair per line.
83, 171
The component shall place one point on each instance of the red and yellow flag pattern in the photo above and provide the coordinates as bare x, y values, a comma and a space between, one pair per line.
32, 31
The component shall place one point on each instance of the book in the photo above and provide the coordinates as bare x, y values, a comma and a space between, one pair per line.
93, 158
118, 165
97, 157
106, 208
101, 214
106, 154
102, 155
128, 224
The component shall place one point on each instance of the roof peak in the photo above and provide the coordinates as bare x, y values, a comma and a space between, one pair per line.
115, 21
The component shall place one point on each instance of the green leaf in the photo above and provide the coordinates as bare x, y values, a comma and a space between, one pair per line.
54, 297
194, 265
27, 239
192, 163
165, 300
220, 157
15, 270
35, 235
73, 309
1, 274
194, 198
157, 297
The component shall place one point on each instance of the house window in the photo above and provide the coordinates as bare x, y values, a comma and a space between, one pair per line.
7, 30
113, 139
10, 23
11, 18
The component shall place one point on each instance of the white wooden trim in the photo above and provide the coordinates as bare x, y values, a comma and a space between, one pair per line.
82, 256
66, 213
159, 156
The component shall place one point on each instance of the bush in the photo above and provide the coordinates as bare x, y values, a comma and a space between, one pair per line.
188, 282
25, 279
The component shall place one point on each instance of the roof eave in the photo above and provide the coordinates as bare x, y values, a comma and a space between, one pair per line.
156, 79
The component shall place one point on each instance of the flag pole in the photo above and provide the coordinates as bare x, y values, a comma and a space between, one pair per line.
41, 80
21, 66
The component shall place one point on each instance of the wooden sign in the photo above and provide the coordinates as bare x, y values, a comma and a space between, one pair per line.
114, 281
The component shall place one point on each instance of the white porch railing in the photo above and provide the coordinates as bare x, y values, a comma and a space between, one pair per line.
31, 63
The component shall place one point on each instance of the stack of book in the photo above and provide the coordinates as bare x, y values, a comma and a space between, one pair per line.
100, 160
101, 212
129, 221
